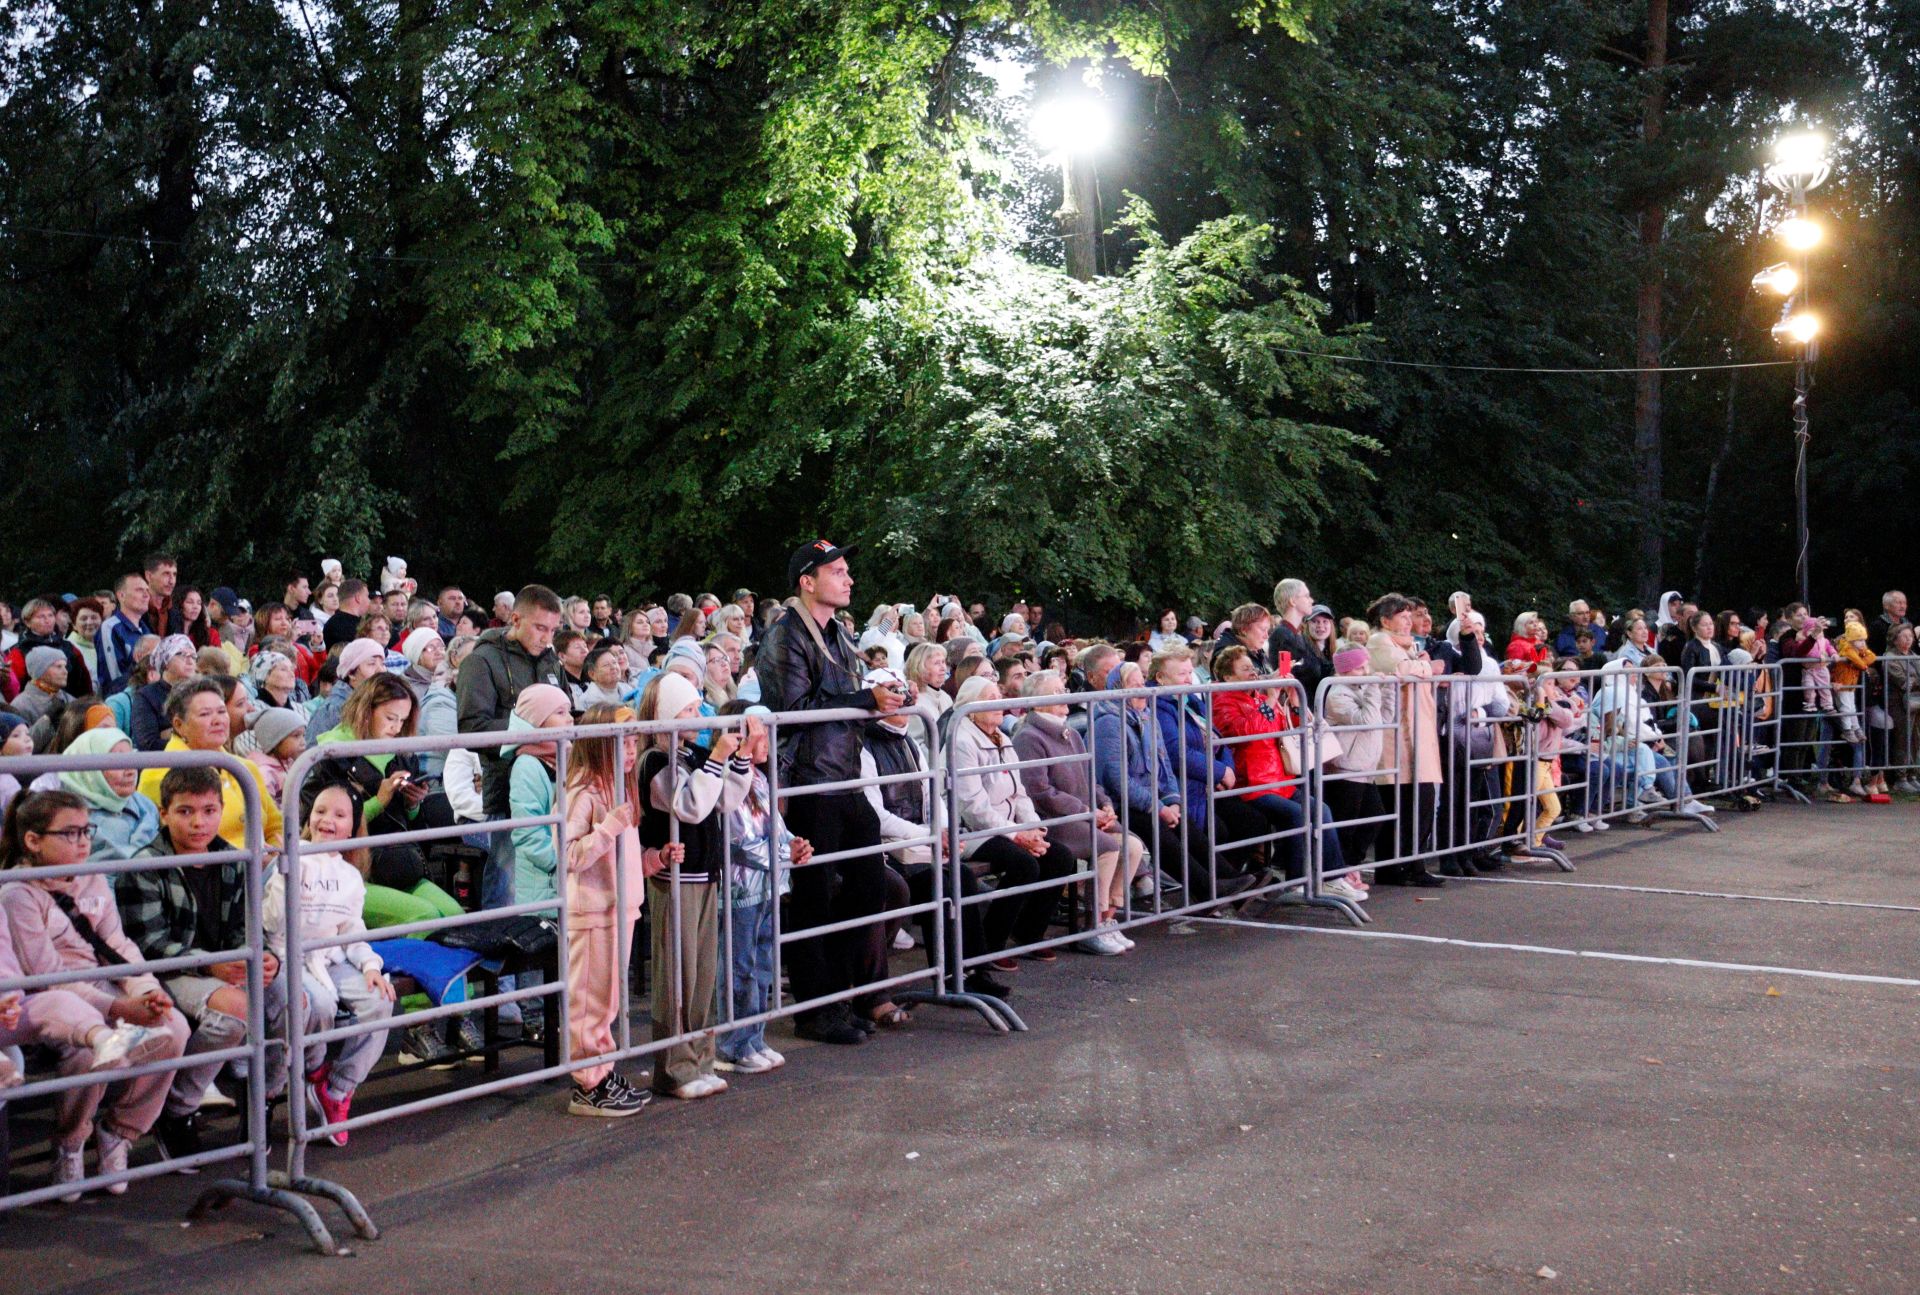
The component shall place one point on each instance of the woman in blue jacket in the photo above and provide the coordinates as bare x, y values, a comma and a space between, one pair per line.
1131, 761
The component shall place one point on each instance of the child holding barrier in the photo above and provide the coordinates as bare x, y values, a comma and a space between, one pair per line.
69, 924
601, 837
336, 978
758, 873
686, 784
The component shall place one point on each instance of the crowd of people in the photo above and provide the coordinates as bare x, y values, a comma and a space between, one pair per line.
1433, 744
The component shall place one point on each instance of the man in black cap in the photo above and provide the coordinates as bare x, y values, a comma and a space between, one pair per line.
808, 661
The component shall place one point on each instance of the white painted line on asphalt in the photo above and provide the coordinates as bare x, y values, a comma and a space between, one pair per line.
1810, 973
1696, 894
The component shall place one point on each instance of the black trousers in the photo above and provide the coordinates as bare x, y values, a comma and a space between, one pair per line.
824, 893
1020, 919
1414, 839
1359, 799
919, 878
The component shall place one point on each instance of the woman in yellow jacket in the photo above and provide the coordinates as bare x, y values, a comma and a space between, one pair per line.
197, 710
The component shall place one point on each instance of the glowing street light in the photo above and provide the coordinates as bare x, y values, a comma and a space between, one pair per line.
1779, 278
1070, 125
1799, 233
1072, 131
1800, 163
1799, 329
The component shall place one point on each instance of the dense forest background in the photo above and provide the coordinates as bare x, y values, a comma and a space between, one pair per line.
636, 295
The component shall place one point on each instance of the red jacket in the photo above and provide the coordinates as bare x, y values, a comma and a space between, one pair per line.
1529, 650
1244, 714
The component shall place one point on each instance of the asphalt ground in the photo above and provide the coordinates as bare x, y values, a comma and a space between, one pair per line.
1243, 1108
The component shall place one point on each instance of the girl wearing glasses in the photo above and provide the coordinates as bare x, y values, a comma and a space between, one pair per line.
68, 924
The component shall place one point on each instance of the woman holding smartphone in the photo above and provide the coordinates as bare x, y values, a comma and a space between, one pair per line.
394, 795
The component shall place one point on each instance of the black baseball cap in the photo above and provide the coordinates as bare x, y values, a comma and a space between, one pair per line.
817, 554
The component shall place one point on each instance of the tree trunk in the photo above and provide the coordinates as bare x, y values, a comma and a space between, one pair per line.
1079, 218
1646, 388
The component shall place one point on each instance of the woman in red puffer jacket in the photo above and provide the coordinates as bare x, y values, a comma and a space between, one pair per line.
1529, 641
1261, 716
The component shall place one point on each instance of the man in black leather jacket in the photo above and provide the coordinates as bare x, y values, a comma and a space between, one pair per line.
808, 661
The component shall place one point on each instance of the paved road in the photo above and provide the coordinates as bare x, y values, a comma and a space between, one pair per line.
1235, 1110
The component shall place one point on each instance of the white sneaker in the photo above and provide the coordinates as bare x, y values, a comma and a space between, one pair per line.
697, 1087
1601, 825
1340, 888
112, 1150
70, 1167
902, 940
773, 1059
1583, 827
715, 1084
1121, 937
751, 1064
1099, 945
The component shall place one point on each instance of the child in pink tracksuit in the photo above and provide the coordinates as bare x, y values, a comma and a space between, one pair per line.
69, 924
601, 836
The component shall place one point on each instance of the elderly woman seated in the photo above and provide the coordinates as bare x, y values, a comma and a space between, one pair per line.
1017, 851
1065, 789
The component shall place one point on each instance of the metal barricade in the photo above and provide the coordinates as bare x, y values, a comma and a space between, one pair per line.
689, 1020
1898, 722
1822, 727
259, 1184
1732, 729
1627, 766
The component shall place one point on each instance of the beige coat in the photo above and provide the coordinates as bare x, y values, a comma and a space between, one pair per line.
1418, 750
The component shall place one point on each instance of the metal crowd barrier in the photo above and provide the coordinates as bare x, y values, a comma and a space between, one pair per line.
1632, 760
929, 985
1898, 678
1476, 789
259, 1185
1733, 729
1814, 734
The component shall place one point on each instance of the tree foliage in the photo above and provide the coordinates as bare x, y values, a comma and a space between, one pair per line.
642, 294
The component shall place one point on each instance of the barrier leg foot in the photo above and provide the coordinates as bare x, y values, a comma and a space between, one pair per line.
1560, 860
990, 1009
1794, 792
223, 1192
349, 1204
995, 1010
1346, 908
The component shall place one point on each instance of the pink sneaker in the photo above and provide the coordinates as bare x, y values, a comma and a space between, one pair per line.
328, 1108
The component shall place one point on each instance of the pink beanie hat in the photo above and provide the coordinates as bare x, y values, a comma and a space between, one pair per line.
1351, 660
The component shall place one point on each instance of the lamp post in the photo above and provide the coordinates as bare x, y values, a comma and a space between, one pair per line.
1072, 130
1799, 165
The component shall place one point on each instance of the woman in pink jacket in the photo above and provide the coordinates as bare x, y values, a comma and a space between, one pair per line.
60, 924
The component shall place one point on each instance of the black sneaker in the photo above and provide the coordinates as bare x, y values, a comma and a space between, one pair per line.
833, 1025
424, 1044
979, 982
611, 1099
179, 1137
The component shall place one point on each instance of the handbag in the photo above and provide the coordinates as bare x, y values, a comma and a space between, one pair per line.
525, 937
1327, 745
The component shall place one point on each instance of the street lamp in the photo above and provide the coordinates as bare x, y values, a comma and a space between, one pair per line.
1800, 164
1073, 129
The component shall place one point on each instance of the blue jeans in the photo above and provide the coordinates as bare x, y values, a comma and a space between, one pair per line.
752, 978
